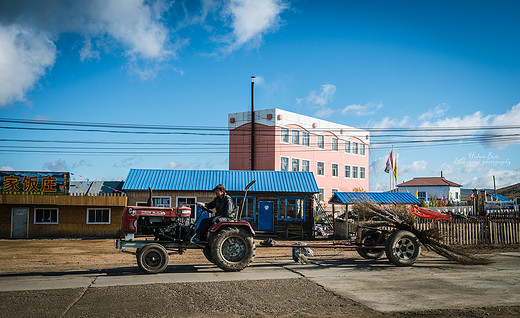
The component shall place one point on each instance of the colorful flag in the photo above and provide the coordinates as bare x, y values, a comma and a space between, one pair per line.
417, 194
395, 170
389, 163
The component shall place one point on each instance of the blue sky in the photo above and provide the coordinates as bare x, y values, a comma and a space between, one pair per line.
367, 64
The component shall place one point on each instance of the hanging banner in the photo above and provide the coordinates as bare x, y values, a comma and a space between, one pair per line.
34, 182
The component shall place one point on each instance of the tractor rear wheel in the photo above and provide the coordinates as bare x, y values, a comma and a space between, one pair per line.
402, 248
152, 259
232, 249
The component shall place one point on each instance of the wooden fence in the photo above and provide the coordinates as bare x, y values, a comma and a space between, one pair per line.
476, 231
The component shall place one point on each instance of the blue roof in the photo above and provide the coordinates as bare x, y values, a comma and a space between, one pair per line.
373, 197
499, 196
206, 180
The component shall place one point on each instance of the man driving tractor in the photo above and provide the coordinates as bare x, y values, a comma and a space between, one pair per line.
225, 210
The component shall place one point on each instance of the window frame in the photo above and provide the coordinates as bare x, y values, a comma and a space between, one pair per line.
292, 164
306, 138
362, 149
246, 207
95, 209
162, 197
348, 146
318, 168
355, 148
355, 172
332, 170
320, 142
53, 209
279, 218
308, 165
362, 173
285, 132
349, 174
334, 144
281, 163
295, 134
421, 197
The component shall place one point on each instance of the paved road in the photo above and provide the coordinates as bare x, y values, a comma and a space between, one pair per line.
432, 283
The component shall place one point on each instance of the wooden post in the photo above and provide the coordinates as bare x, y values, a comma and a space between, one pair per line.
475, 202
482, 203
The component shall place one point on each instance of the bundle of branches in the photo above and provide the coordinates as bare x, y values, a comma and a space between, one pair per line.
399, 218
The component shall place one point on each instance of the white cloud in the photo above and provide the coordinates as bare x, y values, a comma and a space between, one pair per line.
362, 110
251, 19
414, 167
319, 99
29, 31
6, 168
438, 111
503, 178
57, 165
387, 122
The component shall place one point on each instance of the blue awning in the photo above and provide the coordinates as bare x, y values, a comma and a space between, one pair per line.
233, 180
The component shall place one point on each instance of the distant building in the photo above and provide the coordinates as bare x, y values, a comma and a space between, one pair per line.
432, 187
286, 141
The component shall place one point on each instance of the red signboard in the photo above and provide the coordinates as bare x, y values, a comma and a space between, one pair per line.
34, 182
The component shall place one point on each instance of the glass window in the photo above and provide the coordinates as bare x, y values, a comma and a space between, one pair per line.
334, 169
362, 149
347, 146
361, 172
320, 168
161, 201
321, 142
284, 133
249, 212
296, 137
421, 195
295, 164
347, 171
334, 191
284, 164
354, 172
306, 165
189, 202
334, 144
45, 216
355, 148
321, 195
291, 208
306, 138
98, 216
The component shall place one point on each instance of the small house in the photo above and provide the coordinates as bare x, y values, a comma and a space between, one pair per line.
426, 189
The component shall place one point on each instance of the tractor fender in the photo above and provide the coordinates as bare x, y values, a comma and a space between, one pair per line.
241, 224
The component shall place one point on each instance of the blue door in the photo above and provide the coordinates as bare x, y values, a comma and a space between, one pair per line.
266, 216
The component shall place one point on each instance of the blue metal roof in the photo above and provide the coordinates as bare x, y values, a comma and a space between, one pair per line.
499, 196
206, 180
373, 197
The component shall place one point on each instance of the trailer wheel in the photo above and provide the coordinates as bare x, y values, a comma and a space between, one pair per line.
402, 248
232, 249
207, 253
370, 238
152, 259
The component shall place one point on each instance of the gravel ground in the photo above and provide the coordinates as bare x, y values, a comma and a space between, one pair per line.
262, 298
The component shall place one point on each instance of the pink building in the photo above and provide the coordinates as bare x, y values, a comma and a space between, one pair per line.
286, 141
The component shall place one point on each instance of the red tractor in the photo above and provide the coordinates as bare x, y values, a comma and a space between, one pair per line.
228, 244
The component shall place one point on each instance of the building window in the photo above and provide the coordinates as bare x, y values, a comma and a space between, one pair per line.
249, 212
334, 191
295, 164
362, 149
334, 144
456, 195
354, 172
190, 202
306, 165
291, 209
347, 146
421, 195
347, 171
306, 138
284, 164
296, 137
98, 216
321, 142
45, 216
355, 148
284, 133
362, 173
321, 195
334, 170
320, 168
162, 201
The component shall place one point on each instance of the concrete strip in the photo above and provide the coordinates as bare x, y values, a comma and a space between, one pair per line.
45, 282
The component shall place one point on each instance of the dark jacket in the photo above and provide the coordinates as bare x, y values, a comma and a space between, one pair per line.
224, 207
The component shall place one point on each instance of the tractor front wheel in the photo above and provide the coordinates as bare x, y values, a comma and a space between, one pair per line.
232, 249
152, 259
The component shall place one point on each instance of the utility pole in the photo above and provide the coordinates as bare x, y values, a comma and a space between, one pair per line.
252, 123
